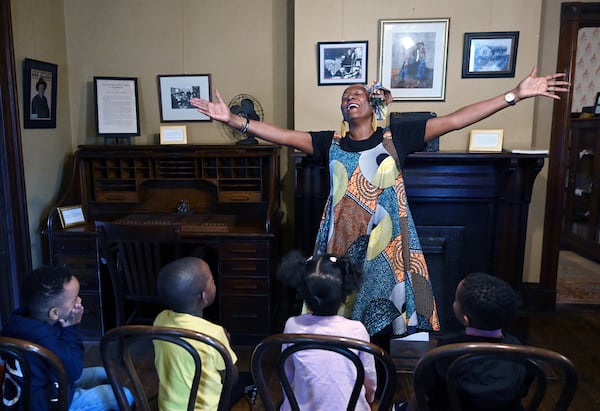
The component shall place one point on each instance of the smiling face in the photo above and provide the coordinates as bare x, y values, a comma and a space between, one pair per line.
356, 103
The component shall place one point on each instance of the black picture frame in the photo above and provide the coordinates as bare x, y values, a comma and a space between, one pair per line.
117, 107
342, 62
490, 54
597, 105
40, 81
174, 91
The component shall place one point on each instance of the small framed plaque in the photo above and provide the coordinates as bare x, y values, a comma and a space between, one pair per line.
173, 135
71, 216
486, 140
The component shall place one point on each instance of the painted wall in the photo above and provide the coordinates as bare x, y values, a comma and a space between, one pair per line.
39, 33
248, 52
317, 107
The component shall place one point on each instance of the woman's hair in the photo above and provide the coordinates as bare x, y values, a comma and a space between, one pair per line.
323, 281
41, 82
488, 301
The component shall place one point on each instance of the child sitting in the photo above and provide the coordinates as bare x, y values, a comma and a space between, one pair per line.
187, 286
317, 377
49, 316
485, 305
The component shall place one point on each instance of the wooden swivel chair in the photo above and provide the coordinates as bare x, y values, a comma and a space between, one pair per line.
134, 254
348, 347
17, 353
540, 363
118, 348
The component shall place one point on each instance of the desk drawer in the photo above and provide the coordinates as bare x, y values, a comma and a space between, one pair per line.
239, 267
246, 314
244, 286
244, 249
75, 246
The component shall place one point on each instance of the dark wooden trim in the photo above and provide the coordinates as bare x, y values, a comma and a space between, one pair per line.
15, 243
573, 17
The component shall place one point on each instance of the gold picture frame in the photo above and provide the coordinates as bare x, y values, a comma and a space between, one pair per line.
71, 216
486, 140
173, 134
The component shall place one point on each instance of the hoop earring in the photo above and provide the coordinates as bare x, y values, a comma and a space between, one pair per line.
374, 121
344, 128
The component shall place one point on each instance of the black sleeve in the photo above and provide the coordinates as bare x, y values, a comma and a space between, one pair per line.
408, 137
321, 141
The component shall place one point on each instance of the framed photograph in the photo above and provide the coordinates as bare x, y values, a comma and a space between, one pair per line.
343, 62
597, 105
39, 91
173, 135
117, 106
412, 58
174, 93
486, 140
71, 216
491, 54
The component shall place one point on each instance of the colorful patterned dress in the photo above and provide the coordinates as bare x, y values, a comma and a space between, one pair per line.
367, 216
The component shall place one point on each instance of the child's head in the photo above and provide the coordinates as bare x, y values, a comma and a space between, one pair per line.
324, 281
485, 302
50, 293
186, 285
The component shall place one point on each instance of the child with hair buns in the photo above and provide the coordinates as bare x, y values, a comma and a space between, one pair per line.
321, 379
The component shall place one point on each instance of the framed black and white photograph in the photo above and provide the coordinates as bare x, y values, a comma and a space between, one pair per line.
490, 54
117, 107
412, 58
39, 89
343, 62
174, 93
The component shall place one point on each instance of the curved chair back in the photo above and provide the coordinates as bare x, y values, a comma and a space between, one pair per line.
541, 364
134, 255
288, 344
117, 350
17, 374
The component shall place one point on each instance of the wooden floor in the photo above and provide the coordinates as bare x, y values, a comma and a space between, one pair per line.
573, 330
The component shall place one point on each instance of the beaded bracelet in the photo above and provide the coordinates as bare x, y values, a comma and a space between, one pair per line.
245, 128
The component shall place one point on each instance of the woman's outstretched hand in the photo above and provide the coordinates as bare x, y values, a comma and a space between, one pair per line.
217, 111
546, 86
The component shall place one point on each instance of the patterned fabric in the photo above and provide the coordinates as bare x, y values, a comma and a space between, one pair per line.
367, 216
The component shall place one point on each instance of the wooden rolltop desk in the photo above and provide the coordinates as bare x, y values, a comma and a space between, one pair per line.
230, 198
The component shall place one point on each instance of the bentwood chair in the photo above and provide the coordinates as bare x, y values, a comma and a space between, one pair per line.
540, 364
122, 347
134, 254
18, 355
286, 345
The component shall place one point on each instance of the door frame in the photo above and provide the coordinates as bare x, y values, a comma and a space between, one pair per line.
15, 245
573, 17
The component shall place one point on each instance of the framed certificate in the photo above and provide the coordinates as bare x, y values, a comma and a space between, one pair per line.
71, 216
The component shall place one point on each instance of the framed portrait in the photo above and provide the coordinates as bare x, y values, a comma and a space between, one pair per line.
342, 62
412, 58
173, 135
486, 140
71, 216
39, 91
117, 107
174, 93
490, 54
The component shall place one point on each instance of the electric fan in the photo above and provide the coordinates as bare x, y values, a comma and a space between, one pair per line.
246, 106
